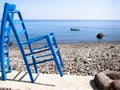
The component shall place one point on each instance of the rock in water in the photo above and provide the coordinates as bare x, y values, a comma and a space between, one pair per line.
100, 35
10, 43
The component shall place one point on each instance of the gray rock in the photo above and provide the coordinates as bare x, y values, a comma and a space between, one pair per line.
116, 85
112, 74
102, 81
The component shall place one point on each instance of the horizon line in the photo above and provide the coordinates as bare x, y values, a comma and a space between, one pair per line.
77, 19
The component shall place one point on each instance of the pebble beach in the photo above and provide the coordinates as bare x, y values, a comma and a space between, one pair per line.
79, 59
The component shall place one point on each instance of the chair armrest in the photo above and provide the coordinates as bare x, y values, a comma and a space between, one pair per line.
34, 39
37, 38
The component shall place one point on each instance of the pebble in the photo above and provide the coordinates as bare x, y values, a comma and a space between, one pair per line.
79, 58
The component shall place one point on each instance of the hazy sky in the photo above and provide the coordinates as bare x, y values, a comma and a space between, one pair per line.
67, 9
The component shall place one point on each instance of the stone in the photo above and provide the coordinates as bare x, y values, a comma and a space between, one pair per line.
100, 35
116, 84
102, 81
10, 43
112, 74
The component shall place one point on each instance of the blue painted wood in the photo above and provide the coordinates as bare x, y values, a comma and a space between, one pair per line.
42, 56
41, 47
55, 56
21, 48
32, 53
51, 46
43, 61
21, 31
17, 22
4, 40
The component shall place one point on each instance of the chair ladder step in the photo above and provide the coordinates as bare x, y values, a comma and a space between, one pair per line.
17, 22
40, 47
6, 52
37, 52
15, 11
43, 61
5, 45
21, 31
6, 60
5, 41
43, 56
6, 37
7, 28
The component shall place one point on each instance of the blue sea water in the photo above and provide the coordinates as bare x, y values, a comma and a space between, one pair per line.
87, 33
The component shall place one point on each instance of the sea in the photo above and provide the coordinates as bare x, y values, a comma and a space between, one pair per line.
86, 30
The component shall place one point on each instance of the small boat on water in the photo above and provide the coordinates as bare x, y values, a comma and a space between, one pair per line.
75, 29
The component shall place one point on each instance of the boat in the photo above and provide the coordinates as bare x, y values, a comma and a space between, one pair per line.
75, 29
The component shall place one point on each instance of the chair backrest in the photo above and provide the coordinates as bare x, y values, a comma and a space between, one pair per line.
4, 24
18, 26
19, 29
5, 27
4, 39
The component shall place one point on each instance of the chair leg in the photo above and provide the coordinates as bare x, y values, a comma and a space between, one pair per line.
9, 66
33, 59
3, 70
29, 71
30, 74
59, 55
26, 63
54, 56
58, 65
8, 61
61, 61
35, 66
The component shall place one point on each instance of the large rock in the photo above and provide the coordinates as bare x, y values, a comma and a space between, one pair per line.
116, 85
112, 74
102, 81
108, 80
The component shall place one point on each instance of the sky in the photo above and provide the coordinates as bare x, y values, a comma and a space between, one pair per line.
67, 9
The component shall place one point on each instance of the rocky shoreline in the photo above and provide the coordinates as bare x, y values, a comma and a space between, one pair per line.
79, 59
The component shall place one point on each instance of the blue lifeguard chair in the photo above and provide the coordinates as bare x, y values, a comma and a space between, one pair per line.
35, 55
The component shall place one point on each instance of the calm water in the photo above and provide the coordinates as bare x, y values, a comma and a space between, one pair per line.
88, 30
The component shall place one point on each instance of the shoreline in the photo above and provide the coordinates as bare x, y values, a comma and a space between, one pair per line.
79, 58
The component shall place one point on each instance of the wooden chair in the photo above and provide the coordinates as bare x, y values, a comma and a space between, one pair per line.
48, 51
